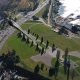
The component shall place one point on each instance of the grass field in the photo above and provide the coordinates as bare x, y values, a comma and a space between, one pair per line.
60, 41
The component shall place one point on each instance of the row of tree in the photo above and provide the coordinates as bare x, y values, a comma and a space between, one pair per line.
54, 70
42, 50
66, 66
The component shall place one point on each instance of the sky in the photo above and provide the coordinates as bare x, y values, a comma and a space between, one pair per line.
70, 6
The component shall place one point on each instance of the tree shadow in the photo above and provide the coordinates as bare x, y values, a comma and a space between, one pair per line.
30, 75
9, 62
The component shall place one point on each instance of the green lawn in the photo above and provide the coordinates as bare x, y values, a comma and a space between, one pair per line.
60, 41
16, 43
22, 49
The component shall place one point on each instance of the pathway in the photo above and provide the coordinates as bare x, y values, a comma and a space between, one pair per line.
47, 57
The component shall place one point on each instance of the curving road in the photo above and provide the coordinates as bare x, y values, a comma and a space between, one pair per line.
32, 13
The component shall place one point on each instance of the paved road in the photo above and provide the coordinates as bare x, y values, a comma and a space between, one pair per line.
7, 34
32, 13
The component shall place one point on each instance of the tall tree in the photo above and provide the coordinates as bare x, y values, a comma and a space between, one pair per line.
31, 44
23, 38
41, 40
53, 47
36, 70
3, 55
47, 44
42, 51
65, 60
37, 36
10, 59
13, 52
37, 47
28, 31
57, 63
27, 41
68, 69
19, 35
51, 72
42, 67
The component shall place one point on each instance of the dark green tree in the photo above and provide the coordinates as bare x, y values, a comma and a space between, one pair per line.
51, 72
37, 47
19, 35
31, 44
27, 41
13, 52
68, 69
37, 36
15, 19
3, 55
28, 31
10, 59
17, 59
42, 67
65, 60
41, 40
33, 33
42, 51
57, 64
47, 44
36, 70
53, 47
23, 38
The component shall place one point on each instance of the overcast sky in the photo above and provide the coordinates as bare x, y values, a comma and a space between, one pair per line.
71, 6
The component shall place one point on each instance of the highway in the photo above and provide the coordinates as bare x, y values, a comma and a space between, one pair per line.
32, 13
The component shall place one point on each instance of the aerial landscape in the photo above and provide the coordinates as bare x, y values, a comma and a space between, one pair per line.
39, 39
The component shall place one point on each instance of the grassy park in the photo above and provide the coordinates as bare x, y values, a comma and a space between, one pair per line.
36, 52
26, 52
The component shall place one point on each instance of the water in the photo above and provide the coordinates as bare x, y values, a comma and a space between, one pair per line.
69, 7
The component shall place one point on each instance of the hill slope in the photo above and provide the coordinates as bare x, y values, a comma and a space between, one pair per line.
16, 4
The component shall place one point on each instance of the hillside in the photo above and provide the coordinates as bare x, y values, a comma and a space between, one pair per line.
16, 5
